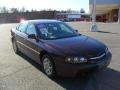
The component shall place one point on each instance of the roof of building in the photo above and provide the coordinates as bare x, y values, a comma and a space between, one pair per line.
104, 6
72, 14
102, 2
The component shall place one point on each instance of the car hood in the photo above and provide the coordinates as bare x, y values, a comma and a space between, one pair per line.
77, 46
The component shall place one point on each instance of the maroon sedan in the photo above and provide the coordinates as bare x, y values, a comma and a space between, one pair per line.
58, 47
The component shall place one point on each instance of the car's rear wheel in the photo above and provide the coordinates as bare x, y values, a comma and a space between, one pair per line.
15, 48
48, 66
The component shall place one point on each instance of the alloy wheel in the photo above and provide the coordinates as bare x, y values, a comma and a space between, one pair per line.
48, 67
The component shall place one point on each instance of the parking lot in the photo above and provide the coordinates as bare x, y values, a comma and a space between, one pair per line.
18, 72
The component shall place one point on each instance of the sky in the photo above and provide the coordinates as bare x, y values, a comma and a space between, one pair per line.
47, 4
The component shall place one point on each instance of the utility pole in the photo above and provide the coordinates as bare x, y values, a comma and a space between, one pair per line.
119, 16
94, 27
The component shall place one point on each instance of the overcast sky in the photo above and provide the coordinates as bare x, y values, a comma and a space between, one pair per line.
47, 4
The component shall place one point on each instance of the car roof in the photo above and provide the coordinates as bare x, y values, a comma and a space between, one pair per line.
40, 21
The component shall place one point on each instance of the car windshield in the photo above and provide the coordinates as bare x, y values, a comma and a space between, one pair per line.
55, 30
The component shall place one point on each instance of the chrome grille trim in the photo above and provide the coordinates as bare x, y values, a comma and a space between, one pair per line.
98, 56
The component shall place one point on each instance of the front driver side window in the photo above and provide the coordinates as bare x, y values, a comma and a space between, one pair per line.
31, 29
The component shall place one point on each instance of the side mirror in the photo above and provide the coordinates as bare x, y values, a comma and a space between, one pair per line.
32, 36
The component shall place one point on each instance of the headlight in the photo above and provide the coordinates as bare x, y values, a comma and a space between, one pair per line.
76, 60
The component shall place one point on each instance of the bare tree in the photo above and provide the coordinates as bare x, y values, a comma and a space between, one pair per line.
69, 10
14, 10
82, 10
3, 10
23, 9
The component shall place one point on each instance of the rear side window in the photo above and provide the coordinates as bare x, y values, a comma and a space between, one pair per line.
22, 27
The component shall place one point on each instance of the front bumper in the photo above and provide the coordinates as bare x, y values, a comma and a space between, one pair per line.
66, 69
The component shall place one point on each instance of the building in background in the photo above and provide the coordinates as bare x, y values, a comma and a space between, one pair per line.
106, 10
72, 16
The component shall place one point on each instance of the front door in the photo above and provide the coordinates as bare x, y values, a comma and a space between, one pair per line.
32, 44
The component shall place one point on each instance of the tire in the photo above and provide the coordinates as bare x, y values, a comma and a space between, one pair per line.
15, 48
48, 66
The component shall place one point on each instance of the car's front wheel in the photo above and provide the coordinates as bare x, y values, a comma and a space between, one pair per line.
48, 66
15, 48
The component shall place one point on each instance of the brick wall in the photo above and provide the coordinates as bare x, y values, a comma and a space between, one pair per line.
13, 17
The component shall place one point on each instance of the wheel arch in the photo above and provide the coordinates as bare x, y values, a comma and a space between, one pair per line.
43, 52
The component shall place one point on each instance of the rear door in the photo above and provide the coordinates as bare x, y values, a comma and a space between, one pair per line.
21, 36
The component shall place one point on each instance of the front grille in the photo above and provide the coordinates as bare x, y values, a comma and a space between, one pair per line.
98, 58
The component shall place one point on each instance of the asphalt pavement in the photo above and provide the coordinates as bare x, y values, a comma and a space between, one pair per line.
18, 72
